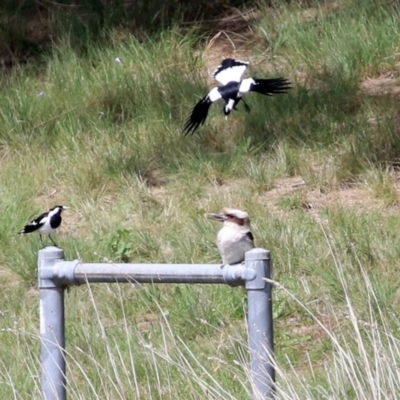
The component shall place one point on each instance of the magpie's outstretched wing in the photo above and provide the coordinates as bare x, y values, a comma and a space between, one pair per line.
267, 87
198, 115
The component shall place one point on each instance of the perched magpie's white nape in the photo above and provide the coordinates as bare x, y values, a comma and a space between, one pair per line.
233, 88
46, 223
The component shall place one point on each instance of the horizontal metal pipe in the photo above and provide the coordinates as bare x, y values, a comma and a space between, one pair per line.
76, 272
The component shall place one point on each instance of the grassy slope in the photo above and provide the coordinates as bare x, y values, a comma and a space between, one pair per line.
105, 138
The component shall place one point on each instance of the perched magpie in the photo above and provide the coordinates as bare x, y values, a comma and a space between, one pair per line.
233, 88
46, 223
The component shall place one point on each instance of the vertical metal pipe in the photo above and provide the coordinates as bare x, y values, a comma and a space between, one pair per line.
261, 337
52, 335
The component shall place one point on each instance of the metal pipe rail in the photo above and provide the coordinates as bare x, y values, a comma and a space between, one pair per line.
55, 275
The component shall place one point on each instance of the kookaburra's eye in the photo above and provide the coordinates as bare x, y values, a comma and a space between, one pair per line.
230, 216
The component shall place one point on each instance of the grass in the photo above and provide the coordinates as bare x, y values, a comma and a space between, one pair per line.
315, 168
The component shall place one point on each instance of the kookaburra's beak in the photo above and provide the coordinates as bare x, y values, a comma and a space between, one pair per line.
217, 216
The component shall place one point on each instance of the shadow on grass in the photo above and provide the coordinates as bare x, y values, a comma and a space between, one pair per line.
336, 113
30, 28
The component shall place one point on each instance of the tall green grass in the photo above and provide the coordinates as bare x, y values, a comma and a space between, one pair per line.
105, 138
335, 40
185, 342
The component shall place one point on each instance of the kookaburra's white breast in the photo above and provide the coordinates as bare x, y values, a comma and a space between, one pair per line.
233, 244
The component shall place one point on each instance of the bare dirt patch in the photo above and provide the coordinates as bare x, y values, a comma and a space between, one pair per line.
352, 197
386, 84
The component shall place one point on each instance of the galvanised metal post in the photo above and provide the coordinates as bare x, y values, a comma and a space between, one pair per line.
55, 274
52, 334
261, 338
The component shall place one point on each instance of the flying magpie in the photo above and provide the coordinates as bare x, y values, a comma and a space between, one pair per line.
45, 223
233, 88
